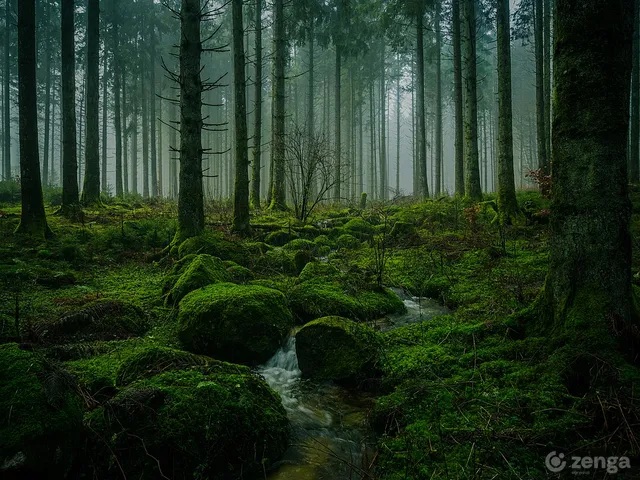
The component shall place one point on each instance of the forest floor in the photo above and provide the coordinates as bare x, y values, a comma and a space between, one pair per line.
461, 396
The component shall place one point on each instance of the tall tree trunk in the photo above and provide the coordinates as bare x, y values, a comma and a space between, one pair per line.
190, 200
398, 95
152, 109
256, 165
634, 136
125, 136
472, 169
144, 118
70, 152
384, 174
173, 162
507, 203
278, 195
458, 99
423, 184
33, 221
105, 105
337, 126
241, 194
134, 139
91, 187
116, 96
8, 28
588, 288
310, 95
438, 126
543, 162
47, 101
547, 73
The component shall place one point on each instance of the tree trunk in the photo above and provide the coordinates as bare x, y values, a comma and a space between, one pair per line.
438, 132
398, 95
543, 162
144, 118
588, 287
278, 195
384, 174
125, 136
134, 139
547, 73
634, 150
91, 186
190, 200
152, 109
47, 101
472, 169
173, 162
105, 104
256, 165
70, 152
507, 203
241, 194
337, 126
8, 28
33, 221
116, 97
423, 189
458, 100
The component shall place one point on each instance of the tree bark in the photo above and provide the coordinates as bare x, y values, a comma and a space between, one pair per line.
588, 288
47, 101
91, 186
256, 165
33, 221
423, 188
241, 194
153, 122
543, 162
190, 199
337, 126
384, 173
507, 203
8, 28
116, 96
438, 132
634, 134
105, 104
458, 100
70, 153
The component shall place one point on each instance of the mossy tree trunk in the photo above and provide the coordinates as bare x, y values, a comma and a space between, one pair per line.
116, 95
33, 220
507, 203
458, 100
69, 147
91, 186
337, 124
634, 133
438, 132
543, 160
256, 165
471, 162
8, 28
588, 287
278, 193
241, 193
190, 199
421, 170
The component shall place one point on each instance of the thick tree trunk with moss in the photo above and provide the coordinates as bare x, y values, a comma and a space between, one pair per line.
8, 28
278, 193
256, 165
471, 166
634, 133
589, 283
241, 193
116, 96
421, 160
91, 187
457, 81
33, 220
543, 160
438, 132
507, 203
190, 200
69, 142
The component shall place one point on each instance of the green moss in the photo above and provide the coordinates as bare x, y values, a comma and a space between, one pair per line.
194, 424
323, 241
275, 262
358, 227
316, 270
215, 245
280, 238
242, 324
300, 244
8, 331
320, 298
202, 270
348, 242
40, 417
239, 274
336, 348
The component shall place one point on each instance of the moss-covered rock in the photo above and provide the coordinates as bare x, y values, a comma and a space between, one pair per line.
215, 245
322, 297
302, 258
348, 242
322, 240
238, 273
97, 320
336, 348
275, 262
316, 270
189, 424
201, 271
40, 417
300, 244
404, 231
359, 228
280, 238
237, 323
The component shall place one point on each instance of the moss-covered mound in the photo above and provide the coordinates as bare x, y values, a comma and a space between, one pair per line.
280, 238
300, 244
236, 323
277, 261
215, 245
315, 270
201, 271
40, 417
348, 242
336, 348
97, 320
189, 424
323, 297
359, 228
238, 273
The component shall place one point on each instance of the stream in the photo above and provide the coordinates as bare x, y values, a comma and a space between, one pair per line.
330, 440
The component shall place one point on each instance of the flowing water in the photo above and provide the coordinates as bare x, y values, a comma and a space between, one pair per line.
331, 440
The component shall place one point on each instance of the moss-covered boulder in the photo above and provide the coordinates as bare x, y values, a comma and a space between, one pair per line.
40, 417
404, 232
201, 271
97, 320
238, 273
237, 323
189, 424
316, 270
277, 261
280, 238
302, 258
300, 244
215, 245
348, 242
322, 240
359, 228
323, 297
336, 348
